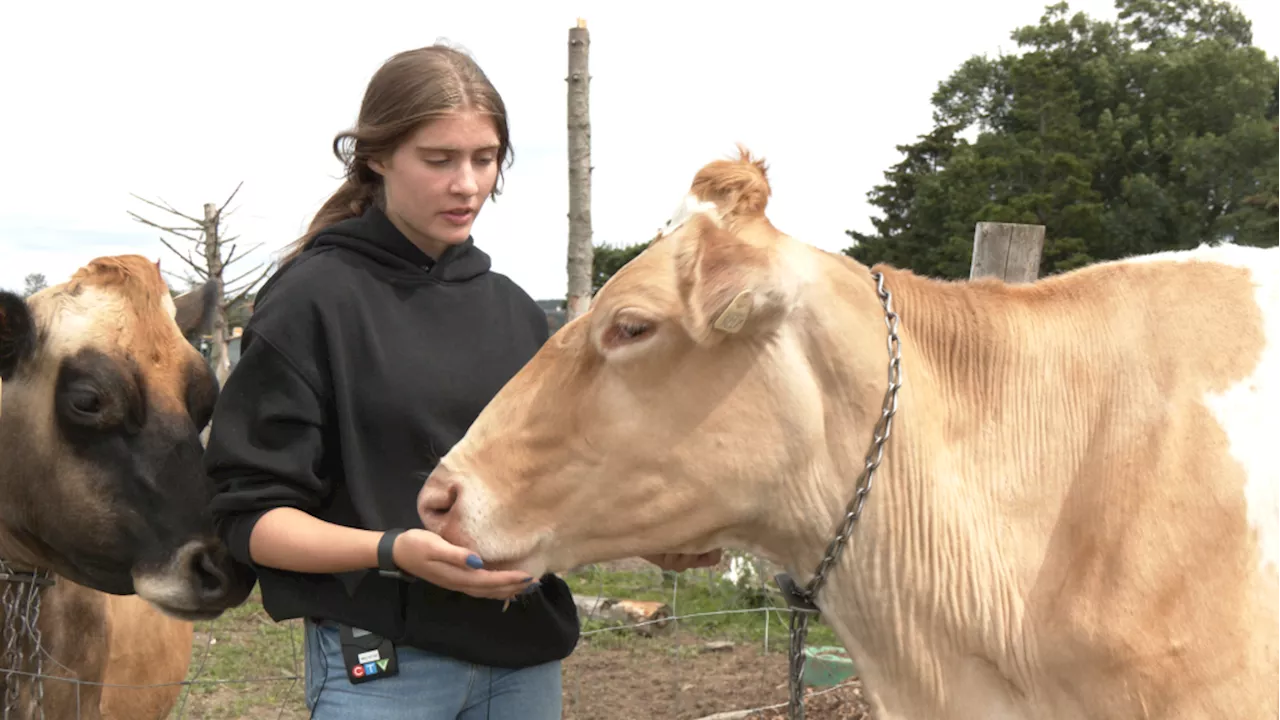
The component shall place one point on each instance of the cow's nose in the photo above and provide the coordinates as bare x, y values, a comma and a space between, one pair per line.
438, 496
205, 568
211, 581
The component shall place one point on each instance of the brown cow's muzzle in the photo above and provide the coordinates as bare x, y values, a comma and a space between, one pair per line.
198, 583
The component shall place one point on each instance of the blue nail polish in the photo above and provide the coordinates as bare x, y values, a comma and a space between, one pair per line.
474, 561
531, 589
528, 580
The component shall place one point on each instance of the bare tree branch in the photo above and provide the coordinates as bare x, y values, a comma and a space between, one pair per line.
228, 202
234, 287
190, 281
231, 254
169, 209
173, 230
240, 296
203, 273
238, 278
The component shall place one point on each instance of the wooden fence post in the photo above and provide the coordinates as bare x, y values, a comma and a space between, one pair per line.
1008, 251
580, 247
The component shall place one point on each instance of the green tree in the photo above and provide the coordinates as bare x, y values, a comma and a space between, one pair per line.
1156, 131
33, 283
607, 260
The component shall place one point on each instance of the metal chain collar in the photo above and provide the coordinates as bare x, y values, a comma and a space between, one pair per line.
802, 600
20, 601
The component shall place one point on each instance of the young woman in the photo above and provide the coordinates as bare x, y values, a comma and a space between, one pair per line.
369, 353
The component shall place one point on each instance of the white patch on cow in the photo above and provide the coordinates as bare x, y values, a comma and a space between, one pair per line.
171, 587
94, 317
689, 206
167, 589
1246, 411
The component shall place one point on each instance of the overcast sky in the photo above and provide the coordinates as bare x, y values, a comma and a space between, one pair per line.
182, 101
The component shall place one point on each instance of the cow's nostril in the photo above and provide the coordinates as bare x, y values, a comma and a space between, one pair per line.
438, 497
211, 581
451, 499
442, 501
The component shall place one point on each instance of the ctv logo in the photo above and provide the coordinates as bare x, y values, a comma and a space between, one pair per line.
369, 668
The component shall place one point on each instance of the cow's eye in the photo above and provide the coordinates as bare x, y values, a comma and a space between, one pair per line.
85, 400
86, 405
627, 328
632, 329
93, 395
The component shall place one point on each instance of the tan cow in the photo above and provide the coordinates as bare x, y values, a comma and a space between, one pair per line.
102, 486
1076, 511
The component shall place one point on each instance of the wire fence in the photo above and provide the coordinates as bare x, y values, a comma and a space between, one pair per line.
716, 649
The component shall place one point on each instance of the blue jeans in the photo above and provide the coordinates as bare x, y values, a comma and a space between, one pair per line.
428, 687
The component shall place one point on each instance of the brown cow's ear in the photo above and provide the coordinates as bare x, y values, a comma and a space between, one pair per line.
729, 286
17, 333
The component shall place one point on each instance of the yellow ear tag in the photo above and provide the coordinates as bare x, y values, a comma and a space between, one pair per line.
735, 316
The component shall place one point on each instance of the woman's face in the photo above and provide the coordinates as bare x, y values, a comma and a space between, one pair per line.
437, 180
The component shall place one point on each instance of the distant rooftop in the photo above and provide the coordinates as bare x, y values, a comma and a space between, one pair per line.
555, 313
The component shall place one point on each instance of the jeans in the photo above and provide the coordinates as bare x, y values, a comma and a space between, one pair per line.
428, 687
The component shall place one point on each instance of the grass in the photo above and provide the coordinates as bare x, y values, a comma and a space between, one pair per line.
694, 592
247, 644
236, 672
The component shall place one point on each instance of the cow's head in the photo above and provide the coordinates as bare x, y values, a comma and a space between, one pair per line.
101, 478
686, 411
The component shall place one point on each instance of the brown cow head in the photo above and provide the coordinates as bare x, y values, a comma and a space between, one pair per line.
101, 478
682, 412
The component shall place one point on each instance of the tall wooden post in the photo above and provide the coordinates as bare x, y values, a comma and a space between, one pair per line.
1008, 251
580, 251
219, 356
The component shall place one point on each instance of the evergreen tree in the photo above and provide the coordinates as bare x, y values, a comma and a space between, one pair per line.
1157, 131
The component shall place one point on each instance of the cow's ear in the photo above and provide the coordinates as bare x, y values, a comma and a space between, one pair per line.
17, 333
730, 287
726, 259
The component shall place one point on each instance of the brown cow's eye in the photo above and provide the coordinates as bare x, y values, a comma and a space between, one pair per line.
94, 395
85, 400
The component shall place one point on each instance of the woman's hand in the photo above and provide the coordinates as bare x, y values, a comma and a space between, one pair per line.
679, 562
426, 555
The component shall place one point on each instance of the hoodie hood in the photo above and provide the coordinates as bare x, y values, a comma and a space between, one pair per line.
375, 237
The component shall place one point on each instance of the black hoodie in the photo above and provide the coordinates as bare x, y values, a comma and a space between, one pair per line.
363, 363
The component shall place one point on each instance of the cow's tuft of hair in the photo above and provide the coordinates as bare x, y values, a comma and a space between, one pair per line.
738, 186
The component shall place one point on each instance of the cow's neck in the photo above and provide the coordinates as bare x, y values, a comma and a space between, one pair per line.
12, 552
932, 582
16, 552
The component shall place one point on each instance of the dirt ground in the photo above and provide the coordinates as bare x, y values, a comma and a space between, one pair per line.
684, 680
